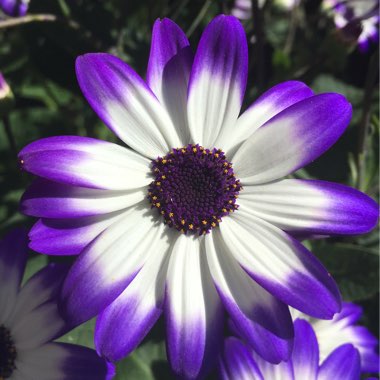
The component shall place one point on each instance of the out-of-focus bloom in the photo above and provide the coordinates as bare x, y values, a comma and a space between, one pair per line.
29, 321
5, 90
14, 8
343, 329
358, 20
158, 226
242, 9
239, 362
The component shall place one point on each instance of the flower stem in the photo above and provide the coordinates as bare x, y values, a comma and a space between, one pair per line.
9, 133
370, 83
258, 32
199, 17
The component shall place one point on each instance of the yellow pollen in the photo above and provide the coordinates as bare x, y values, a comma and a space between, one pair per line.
156, 170
204, 152
216, 155
163, 177
158, 183
171, 214
195, 150
154, 198
225, 164
213, 224
162, 212
204, 222
225, 171
191, 226
230, 201
164, 161
224, 209
158, 204
183, 222
183, 150
234, 186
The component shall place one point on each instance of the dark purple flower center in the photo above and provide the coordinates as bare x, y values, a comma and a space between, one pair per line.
193, 188
8, 353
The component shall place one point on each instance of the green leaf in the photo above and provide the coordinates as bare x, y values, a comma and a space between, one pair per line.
147, 362
82, 335
34, 264
352, 267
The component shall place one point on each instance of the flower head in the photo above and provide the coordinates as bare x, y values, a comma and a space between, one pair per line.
29, 321
192, 216
357, 20
239, 362
14, 8
343, 329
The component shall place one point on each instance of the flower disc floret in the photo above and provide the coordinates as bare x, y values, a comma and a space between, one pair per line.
193, 188
8, 353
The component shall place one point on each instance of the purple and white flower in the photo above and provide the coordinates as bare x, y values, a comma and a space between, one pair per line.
240, 362
5, 90
194, 218
242, 9
14, 8
343, 329
357, 19
29, 321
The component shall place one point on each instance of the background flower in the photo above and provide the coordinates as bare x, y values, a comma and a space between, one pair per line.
29, 322
14, 8
238, 362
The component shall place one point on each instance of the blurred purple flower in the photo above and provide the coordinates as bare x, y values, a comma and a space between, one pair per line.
239, 362
343, 329
5, 90
29, 321
14, 8
358, 20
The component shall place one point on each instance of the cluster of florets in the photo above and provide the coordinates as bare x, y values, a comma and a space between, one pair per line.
193, 188
8, 353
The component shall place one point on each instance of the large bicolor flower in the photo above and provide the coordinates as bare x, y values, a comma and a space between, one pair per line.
343, 329
239, 362
194, 217
29, 321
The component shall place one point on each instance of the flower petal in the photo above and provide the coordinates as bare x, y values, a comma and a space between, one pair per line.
236, 362
305, 355
218, 79
42, 287
343, 363
168, 72
13, 256
126, 321
281, 265
263, 109
110, 263
49, 199
281, 371
194, 318
292, 139
315, 207
59, 361
68, 236
341, 330
263, 321
126, 104
42, 324
87, 162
